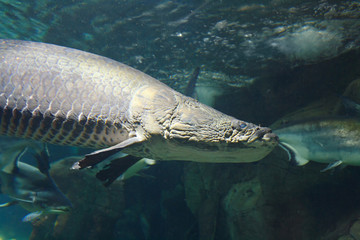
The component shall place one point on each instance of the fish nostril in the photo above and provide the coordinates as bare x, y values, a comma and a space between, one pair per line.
262, 131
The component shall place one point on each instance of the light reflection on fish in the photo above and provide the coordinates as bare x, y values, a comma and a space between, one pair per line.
30, 187
334, 141
68, 97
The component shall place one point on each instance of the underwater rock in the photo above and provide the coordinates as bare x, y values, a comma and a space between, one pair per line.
346, 237
326, 107
355, 230
205, 185
242, 205
95, 208
201, 197
309, 44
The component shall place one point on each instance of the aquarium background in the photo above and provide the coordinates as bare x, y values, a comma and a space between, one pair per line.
259, 61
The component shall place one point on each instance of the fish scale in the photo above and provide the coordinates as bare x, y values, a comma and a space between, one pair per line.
41, 109
69, 97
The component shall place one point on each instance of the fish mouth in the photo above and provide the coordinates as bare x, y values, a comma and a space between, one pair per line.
264, 134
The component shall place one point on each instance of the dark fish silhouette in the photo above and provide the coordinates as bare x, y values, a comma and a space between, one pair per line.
26, 185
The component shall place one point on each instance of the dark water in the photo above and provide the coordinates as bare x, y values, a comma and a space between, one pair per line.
259, 60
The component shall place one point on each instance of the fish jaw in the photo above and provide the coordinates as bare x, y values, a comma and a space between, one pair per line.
177, 127
206, 152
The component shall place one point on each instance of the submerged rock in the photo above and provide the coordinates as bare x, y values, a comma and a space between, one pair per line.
242, 205
95, 208
355, 230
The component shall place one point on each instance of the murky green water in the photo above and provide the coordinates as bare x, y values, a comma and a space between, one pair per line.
266, 62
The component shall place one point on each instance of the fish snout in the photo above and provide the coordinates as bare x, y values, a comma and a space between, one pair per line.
265, 134
271, 137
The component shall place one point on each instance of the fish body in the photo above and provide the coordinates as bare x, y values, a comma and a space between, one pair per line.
69, 97
332, 141
29, 186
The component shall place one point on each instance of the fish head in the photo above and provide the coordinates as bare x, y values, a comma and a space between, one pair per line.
295, 135
202, 134
181, 128
238, 141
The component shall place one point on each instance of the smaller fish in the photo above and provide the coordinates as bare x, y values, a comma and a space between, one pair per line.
334, 141
31, 217
30, 187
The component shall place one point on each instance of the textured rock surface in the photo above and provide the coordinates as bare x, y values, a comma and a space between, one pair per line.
95, 211
242, 205
355, 230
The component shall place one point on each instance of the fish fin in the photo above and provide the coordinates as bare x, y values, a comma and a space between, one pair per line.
294, 156
32, 216
190, 88
8, 204
13, 159
332, 165
42, 159
96, 157
300, 161
116, 168
29, 197
29, 200
288, 151
135, 169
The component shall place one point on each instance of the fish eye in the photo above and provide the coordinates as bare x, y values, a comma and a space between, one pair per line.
238, 125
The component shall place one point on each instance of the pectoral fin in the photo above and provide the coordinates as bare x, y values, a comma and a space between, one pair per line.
332, 165
29, 197
300, 161
136, 169
293, 155
98, 156
42, 159
116, 168
12, 159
